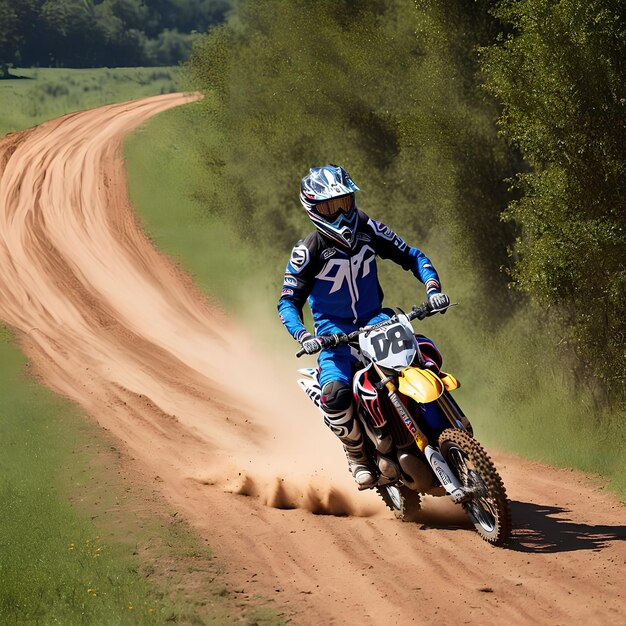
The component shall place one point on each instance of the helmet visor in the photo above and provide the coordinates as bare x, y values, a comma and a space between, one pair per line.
330, 209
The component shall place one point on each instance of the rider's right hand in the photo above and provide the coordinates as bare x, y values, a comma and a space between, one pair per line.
310, 344
439, 302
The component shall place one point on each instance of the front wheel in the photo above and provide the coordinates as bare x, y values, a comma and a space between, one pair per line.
404, 502
488, 506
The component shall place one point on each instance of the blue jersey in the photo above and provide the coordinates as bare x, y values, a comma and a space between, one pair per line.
341, 284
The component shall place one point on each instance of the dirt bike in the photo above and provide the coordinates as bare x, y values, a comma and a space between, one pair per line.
417, 435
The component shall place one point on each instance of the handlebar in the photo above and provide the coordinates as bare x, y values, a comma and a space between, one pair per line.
330, 341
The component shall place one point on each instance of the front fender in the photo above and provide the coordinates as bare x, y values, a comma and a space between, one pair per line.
420, 384
449, 381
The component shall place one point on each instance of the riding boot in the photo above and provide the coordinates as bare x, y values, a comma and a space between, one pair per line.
346, 427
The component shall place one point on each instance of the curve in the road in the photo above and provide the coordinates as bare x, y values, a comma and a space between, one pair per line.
111, 323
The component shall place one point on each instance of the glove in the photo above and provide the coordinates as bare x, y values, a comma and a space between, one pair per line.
310, 344
439, 302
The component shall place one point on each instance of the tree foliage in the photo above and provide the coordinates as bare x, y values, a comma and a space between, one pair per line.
385, 88
393, 91
561, 77
93, 33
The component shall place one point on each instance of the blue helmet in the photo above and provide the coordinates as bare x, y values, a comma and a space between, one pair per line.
327, 194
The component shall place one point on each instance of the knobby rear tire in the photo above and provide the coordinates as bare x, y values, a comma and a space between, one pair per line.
405, 503
489, 509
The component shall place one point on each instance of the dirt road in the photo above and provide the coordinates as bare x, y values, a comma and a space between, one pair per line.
111, 323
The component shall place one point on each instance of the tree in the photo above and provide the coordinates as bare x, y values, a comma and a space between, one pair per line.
561, 77
9, 36
92, 33
69, 32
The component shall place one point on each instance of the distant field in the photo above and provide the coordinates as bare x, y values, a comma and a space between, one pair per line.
42, 94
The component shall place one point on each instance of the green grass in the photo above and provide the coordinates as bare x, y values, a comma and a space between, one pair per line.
160, 171
42, 94
57, 565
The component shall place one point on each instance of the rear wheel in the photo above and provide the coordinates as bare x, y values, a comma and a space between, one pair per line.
488, 507
404, 502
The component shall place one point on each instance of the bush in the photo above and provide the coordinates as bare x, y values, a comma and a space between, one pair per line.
561, 78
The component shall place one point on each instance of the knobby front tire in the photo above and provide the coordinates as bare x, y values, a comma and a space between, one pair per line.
489, 508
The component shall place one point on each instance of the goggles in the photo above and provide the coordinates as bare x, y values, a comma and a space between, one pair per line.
330, 209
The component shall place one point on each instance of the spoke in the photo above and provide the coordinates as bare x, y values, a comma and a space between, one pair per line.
482, 517
488, 504
458, 461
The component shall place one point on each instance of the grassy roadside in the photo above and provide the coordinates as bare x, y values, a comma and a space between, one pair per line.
163, 167
79, 542
55, 564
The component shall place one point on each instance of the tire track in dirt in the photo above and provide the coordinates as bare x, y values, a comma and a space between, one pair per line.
111, 323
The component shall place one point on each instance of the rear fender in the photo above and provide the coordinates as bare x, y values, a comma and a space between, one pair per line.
312, 389
310, 385
309, 372
420, 384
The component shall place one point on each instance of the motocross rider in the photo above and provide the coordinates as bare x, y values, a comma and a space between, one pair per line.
335, 268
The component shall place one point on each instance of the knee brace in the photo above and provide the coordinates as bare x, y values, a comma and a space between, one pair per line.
336, 396
336, 404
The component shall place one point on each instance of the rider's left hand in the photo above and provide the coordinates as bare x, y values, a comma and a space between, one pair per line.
439, 302
310, 344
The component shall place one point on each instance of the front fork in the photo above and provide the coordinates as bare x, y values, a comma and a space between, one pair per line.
439, 465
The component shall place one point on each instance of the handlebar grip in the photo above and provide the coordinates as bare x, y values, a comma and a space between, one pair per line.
300, 353
420, 312
330, 341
